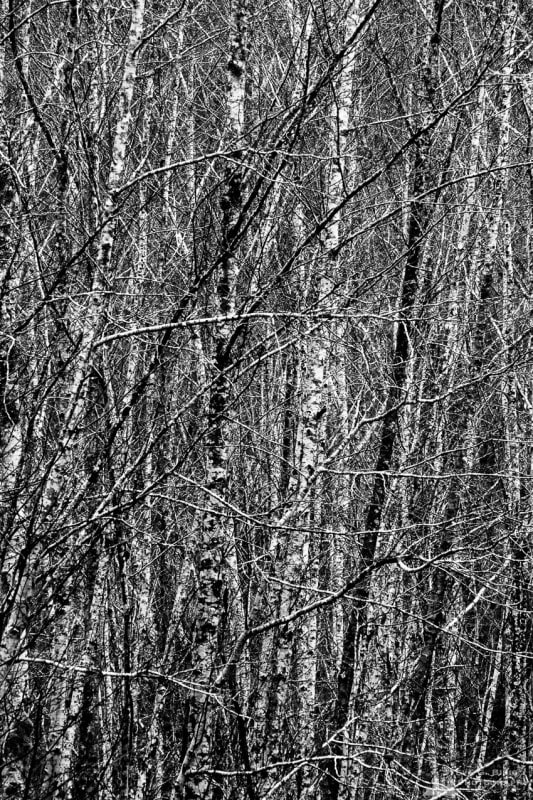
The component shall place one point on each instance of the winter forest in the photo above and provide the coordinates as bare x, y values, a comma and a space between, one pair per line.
266, 400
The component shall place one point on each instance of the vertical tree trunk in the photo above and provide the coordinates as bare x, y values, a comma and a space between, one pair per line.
214, 531
419, 217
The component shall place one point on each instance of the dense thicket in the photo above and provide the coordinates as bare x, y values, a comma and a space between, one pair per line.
266, 418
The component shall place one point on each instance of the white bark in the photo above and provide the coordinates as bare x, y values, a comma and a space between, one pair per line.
94, 313
214, 536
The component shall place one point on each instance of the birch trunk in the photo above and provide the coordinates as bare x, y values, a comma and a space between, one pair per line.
15, 580
214, 546
419, 217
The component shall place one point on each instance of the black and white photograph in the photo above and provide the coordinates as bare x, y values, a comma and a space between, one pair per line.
266, 400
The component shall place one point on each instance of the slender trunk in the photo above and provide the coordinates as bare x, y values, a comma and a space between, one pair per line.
420, 214
214, 531
15, 581
482, 737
